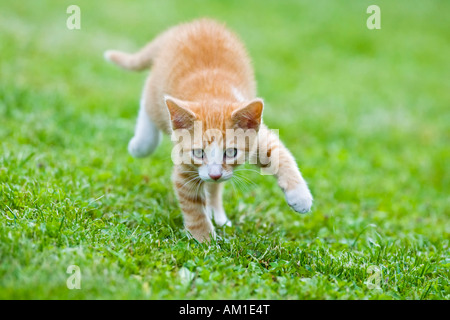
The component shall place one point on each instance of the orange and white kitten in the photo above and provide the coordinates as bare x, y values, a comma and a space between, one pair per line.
201, 74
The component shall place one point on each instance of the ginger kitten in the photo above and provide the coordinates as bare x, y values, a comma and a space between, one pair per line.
201, 80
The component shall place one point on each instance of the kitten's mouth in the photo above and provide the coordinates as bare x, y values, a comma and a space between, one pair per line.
217, 180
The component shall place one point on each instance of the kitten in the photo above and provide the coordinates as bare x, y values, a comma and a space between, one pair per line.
202, 79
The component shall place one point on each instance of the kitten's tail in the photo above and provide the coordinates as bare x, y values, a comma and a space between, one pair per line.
140, 60
136, 61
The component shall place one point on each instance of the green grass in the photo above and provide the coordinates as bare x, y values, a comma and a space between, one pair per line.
365, 112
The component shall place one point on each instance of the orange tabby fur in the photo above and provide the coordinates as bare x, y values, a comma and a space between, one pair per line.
201, 72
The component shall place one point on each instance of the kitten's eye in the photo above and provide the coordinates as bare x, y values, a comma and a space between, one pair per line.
231, 152
198, 153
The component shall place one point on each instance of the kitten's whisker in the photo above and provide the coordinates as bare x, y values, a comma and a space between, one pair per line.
190, 180
235, 185
244, 169
198, 190
240, 183
246, 179
189, 171
232, 184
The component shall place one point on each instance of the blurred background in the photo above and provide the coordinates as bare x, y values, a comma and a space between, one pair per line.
365, 112
314, 63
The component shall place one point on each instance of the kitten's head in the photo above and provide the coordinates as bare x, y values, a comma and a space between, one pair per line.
212, 138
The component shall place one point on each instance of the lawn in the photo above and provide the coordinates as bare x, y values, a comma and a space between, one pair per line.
365, 112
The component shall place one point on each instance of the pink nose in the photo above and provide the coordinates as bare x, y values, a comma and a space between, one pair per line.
215, 176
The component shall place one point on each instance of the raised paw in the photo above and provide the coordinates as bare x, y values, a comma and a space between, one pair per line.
299, 198
138, 148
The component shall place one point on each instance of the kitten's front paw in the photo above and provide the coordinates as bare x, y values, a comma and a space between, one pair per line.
203, 236
221, 219
223, 222
299, 198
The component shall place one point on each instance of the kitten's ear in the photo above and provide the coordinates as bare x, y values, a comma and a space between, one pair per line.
181, 116
249, 116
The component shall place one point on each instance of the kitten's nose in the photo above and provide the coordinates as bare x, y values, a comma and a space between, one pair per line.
215, 176
215, 171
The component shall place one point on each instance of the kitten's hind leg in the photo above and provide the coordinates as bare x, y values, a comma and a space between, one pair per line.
146, 135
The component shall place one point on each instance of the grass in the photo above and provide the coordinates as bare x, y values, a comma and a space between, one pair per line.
365, 112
